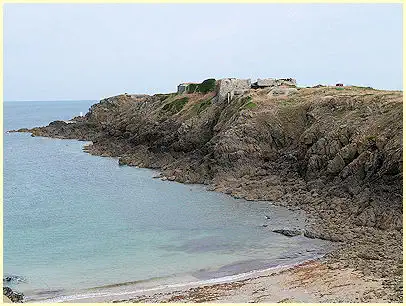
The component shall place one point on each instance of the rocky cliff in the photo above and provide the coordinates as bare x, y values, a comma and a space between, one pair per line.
334, 152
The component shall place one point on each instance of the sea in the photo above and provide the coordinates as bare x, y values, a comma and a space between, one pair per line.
78, 226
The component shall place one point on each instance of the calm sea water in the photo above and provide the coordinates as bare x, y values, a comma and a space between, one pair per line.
75, 222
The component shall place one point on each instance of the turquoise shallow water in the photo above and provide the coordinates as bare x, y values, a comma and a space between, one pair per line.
73, 222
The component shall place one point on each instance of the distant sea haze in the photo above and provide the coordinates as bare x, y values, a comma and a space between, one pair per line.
76, 223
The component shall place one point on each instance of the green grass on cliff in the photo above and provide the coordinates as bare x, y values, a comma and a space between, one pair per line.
163, 97
207, 86
250, 105
247, 103
204, 87
362, 87
175, 106
191, 88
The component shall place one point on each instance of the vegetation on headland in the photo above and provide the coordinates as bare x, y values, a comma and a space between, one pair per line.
204, 87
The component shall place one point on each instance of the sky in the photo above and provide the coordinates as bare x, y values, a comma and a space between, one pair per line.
93, 51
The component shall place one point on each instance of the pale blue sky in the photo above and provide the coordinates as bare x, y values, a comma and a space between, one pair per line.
91, 51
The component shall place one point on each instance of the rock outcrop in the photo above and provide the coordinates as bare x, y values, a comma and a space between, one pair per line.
288, 232
13, 279
323, 143
14, 296
336, 154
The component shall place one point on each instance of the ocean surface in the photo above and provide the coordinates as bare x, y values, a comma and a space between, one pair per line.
77, 225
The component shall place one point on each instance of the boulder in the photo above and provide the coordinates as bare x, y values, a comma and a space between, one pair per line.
310, 235
322, 236
335, 165
58, 124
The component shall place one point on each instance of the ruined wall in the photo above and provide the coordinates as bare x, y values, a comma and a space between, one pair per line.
275, 82
182, 88
232, 87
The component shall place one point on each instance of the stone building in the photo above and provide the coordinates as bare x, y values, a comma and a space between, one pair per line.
228, 88
262, 83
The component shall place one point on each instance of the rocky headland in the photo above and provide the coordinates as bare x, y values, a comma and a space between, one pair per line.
334, 152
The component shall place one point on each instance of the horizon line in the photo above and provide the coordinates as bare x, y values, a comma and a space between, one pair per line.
51, 100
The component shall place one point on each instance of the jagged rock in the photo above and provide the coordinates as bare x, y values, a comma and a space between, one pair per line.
348, 152
366, 217
14, 296
287, 232
369, 256
310, 235
322, 236
16, 279
336, 165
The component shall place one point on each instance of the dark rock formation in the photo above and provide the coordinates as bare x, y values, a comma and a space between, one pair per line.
15, 279
323, 236
287, 232
14, 296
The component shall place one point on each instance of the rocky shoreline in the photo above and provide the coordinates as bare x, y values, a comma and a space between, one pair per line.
10, 295
335, 153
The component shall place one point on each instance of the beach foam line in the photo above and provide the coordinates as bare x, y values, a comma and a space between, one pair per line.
213, 281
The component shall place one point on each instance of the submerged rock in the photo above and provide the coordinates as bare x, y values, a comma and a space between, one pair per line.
15, 279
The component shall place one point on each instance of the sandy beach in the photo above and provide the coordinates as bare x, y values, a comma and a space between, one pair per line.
311, 282
314, 281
